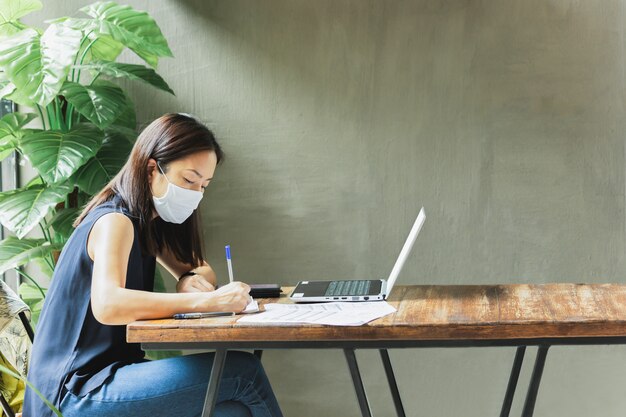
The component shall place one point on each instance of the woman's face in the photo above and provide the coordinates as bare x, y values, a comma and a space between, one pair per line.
193, 172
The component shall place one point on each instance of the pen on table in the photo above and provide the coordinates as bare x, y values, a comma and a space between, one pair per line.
203, 315
230, 264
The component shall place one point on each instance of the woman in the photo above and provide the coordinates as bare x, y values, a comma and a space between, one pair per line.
104, 278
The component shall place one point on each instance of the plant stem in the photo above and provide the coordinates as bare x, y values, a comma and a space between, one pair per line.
95, 78
25, 275
49, 260
68, 116
46, 234
13, 24
82, 42
76, 79
49, 114
57, 106
70, 107
82, 58
43, 121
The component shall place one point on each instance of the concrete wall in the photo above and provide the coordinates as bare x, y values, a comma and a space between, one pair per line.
341, 118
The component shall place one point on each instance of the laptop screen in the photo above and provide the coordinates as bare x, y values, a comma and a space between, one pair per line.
406, 249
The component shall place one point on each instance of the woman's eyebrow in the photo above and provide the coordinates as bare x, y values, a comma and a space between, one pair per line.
197, 173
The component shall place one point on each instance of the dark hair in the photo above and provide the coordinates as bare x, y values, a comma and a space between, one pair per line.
168, 138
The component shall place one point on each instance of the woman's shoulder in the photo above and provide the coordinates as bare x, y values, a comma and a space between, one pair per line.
112, 231
114, 205
115, 224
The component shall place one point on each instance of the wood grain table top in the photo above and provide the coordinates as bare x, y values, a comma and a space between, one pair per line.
432, 312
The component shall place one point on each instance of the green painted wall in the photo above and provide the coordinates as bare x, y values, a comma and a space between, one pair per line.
340, 118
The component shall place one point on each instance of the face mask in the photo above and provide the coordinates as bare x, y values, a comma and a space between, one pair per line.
177, 204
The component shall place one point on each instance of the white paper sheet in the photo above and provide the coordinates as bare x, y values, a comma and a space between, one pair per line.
333, 314
252, 307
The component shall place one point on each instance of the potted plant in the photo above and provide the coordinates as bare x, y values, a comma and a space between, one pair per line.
65, 76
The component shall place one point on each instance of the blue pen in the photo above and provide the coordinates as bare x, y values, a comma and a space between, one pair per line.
182, 316
229, 262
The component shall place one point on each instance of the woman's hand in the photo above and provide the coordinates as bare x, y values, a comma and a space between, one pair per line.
194, 283
231, 297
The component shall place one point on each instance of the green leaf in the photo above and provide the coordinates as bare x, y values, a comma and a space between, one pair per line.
34, 299
132, 28
106, 48
99, 103
6, 88
16, 252
127, 120
137, 30
20, 58
11, 131
38, 64
130, 71
30, 293
11, 10
22, 209
36, 180
62, 221
11, 124
5, 151
56, 155
10, 13
96, 173
35, 312
105, 29
44, 267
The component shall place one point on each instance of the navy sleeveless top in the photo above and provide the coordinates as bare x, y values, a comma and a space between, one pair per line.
72, 350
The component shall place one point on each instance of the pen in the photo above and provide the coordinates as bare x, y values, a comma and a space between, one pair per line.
203, 315
230, 263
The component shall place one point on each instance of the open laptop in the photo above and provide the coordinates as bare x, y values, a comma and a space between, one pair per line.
358, 290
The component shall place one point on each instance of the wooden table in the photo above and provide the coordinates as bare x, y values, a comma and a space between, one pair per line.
428, 316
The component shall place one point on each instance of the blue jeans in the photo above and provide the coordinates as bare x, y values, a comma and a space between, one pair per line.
177, 387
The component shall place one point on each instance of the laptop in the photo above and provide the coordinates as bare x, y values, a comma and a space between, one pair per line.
358, 290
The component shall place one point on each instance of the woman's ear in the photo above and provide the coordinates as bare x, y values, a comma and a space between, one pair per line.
151, 167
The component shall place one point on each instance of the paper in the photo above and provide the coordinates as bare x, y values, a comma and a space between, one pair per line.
333, 314
252, 307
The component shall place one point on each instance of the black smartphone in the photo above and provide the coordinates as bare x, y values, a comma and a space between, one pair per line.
265, 290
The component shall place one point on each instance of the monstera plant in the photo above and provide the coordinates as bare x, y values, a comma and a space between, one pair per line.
65, 76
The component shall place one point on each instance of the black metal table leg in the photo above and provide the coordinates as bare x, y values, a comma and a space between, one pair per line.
358, 383
214, 382
535, 379
513, 379
27, 326
393, 386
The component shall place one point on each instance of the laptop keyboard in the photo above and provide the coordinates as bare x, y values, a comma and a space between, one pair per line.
358, 287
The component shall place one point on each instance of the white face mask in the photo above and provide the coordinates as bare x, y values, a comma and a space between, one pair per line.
177, 204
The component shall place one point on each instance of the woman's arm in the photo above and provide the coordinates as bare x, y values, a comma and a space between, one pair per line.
203, 280
109, 246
